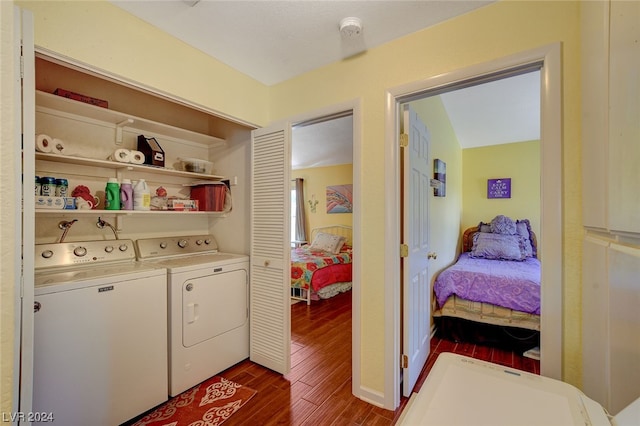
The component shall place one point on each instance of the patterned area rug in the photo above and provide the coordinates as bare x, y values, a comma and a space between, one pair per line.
209, 403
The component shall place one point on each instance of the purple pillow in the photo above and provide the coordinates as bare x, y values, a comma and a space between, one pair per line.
497, 246
523, 228
503, 225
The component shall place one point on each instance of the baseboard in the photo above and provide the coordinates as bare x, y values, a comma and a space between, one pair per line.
371, 396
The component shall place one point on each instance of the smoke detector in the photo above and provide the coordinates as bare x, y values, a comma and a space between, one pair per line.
350, 27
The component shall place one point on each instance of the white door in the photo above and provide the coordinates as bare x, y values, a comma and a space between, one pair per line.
416, 178
270, 276
24, 90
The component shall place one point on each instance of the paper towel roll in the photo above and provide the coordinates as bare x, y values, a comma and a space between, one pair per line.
137, 157
59, 147
44, 143
121, 155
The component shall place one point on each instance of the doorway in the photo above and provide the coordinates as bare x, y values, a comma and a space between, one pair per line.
349, 114
547, 59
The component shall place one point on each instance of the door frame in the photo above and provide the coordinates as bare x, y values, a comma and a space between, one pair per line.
551, 185
355, 106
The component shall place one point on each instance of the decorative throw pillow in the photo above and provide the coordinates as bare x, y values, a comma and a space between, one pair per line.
497, 246
523, 228
503, 225
484, 227
327, 242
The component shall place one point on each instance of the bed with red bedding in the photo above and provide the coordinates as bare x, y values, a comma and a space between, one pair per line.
322, 269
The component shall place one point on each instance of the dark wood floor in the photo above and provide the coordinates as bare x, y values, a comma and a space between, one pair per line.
317, 391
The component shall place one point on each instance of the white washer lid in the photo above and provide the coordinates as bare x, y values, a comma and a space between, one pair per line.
53, 281
187, 263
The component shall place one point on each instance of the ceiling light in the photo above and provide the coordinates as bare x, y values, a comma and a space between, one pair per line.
350, 27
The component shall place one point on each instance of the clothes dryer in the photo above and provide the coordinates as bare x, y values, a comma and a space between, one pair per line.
208, 296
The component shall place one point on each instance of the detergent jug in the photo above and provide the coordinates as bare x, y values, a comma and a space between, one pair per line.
126, 195
141, 196
112, 195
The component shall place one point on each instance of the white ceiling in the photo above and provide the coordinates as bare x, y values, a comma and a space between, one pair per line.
272, 41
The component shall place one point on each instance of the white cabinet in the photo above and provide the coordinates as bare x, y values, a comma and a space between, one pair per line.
611, 115
611, 202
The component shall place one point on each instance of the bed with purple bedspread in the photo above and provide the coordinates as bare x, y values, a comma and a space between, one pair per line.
484, 298
513, 285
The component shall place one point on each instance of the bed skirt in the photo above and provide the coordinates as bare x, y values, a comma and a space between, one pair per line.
462, 320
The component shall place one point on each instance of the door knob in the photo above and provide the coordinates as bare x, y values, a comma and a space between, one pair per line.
432, 255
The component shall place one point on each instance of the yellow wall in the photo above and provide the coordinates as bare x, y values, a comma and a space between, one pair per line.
108, 38
316, 180
498, 30
518, 161
126, 46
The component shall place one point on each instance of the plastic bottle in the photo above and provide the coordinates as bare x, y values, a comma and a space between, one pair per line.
141, 196
112, 195
62, 187
126, 195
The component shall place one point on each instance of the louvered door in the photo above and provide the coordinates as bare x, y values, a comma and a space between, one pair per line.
270, 306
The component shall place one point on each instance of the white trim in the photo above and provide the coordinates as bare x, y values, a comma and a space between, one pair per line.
551, 238
355, 106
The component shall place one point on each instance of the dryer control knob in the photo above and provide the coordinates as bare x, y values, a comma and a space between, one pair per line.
182, 243
47, 254
123, 247
199, 242
108, 249
207, 241
163, 245
80, 251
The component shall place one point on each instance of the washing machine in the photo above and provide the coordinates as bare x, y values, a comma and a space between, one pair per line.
208, 294
100, 333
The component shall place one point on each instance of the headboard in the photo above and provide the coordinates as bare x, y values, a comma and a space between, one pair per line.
467, 238
340, 230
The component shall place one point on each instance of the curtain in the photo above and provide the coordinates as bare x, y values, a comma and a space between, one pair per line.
301, 233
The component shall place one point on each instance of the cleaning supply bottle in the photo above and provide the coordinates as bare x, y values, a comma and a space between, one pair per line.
141, 196
112, 195
126, 195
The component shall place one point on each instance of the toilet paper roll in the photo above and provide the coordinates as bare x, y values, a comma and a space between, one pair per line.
121, 155
137, 157
59, 147
44, 143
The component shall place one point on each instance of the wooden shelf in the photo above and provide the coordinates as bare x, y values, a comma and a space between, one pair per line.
123, 166
58, 105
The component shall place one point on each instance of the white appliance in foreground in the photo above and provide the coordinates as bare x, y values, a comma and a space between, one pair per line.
208, 306
466, 391
100, 334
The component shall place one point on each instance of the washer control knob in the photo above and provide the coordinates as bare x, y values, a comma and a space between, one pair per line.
108, 249
47, 254
207, 241
189, 287
182, 243
80, 251
199, 242
123, 247
163, 245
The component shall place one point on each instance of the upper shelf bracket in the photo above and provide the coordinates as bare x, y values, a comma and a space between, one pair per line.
119, 127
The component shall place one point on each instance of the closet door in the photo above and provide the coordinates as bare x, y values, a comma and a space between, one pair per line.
270, 306
24, 95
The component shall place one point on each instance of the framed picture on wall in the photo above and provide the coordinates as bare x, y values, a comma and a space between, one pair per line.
440, 175
499, 188
340, 199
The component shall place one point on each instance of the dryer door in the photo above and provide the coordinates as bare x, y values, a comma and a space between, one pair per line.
213, 305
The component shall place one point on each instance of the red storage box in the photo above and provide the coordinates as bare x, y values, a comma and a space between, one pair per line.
211, 198
82, 98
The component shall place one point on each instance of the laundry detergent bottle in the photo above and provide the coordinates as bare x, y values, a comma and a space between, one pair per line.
141, 196
126, 195
112, 195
